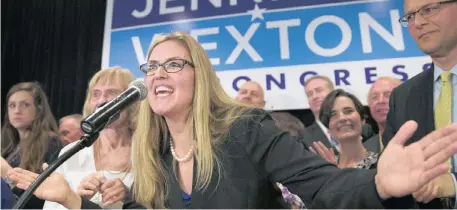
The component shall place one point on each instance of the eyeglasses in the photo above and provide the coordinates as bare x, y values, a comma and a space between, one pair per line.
426, 12
171, 66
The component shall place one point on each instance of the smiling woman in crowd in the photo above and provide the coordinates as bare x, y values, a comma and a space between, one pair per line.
342, 113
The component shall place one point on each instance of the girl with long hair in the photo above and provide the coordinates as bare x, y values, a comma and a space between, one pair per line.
29, 133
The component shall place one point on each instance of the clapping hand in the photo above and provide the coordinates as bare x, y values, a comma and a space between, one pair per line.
404, 170
326, 153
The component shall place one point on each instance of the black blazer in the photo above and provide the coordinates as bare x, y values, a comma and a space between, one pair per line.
255, 155
318, 135
412, 100
372, 144
315, 133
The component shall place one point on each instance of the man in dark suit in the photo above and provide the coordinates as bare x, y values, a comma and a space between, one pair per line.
378, 101
425, 97
316, 89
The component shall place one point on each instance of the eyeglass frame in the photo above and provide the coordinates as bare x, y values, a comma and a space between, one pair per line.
421, 11
164, 68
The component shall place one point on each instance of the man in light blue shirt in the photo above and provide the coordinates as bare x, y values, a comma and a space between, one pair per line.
432, 24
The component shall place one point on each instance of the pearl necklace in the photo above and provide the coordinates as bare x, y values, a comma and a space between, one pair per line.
185, 158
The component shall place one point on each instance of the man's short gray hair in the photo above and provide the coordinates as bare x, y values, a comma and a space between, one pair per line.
77, 117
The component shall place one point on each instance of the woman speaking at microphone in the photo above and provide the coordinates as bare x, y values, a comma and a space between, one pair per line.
102, 172
195, 147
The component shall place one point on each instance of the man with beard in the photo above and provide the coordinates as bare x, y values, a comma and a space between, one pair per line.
378, 101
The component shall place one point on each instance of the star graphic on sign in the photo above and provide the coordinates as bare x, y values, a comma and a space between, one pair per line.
256, 13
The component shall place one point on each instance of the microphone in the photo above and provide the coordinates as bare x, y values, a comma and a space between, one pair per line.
91, 125
109, 112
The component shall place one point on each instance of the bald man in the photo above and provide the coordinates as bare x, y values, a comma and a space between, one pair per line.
251, 93
69, 128
378, 102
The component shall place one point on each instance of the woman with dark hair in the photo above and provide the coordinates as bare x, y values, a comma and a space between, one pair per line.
29, 133
342, 113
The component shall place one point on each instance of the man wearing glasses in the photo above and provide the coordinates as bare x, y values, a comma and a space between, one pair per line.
429, 97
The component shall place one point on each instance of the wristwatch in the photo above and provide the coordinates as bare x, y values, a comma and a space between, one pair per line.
8, 180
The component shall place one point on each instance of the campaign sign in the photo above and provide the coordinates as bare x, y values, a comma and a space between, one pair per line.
278, 43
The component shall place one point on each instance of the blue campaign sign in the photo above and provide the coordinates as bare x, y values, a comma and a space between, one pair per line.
278, 43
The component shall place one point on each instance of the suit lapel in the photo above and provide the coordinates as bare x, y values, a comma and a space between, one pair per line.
200, 198
174, 200
319, 135
420, 105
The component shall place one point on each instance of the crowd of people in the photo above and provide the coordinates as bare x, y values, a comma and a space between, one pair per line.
190, 145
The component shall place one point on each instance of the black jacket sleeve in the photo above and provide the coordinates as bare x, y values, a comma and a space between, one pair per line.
317, 182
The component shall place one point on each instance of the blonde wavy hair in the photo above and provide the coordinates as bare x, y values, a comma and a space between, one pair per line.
211, 114
110, 76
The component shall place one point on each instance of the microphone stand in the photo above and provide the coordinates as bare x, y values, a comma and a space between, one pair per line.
86, 141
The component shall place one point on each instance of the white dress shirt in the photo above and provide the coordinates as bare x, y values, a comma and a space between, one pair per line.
333, 141
324, 129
